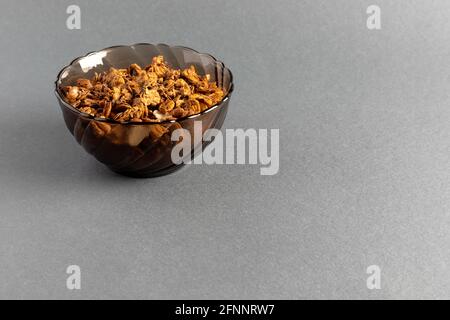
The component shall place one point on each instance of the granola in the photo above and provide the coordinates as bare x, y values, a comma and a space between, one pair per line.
152, 94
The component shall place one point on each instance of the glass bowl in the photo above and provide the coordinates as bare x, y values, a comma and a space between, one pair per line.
140, 149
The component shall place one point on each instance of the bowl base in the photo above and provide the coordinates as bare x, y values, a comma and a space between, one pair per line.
153, 174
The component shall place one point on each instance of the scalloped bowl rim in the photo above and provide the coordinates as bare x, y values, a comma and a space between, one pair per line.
87, 116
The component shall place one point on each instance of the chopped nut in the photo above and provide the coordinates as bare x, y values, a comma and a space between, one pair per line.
152, 94
84, 83
166, 106
161, 116
191, 75
151, 97
72, 93
193, 106
179, 112
107, 109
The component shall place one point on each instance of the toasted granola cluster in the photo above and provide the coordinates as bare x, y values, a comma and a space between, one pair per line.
152, 94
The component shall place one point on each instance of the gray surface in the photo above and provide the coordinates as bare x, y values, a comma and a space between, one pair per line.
365, 144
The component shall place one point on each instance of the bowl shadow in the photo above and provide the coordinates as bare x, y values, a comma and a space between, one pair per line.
43, 149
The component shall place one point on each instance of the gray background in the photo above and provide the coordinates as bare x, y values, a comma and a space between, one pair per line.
364, 121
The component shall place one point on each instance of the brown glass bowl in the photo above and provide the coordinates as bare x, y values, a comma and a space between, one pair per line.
140, 149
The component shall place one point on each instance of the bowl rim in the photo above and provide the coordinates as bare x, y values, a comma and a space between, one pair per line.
88, 116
